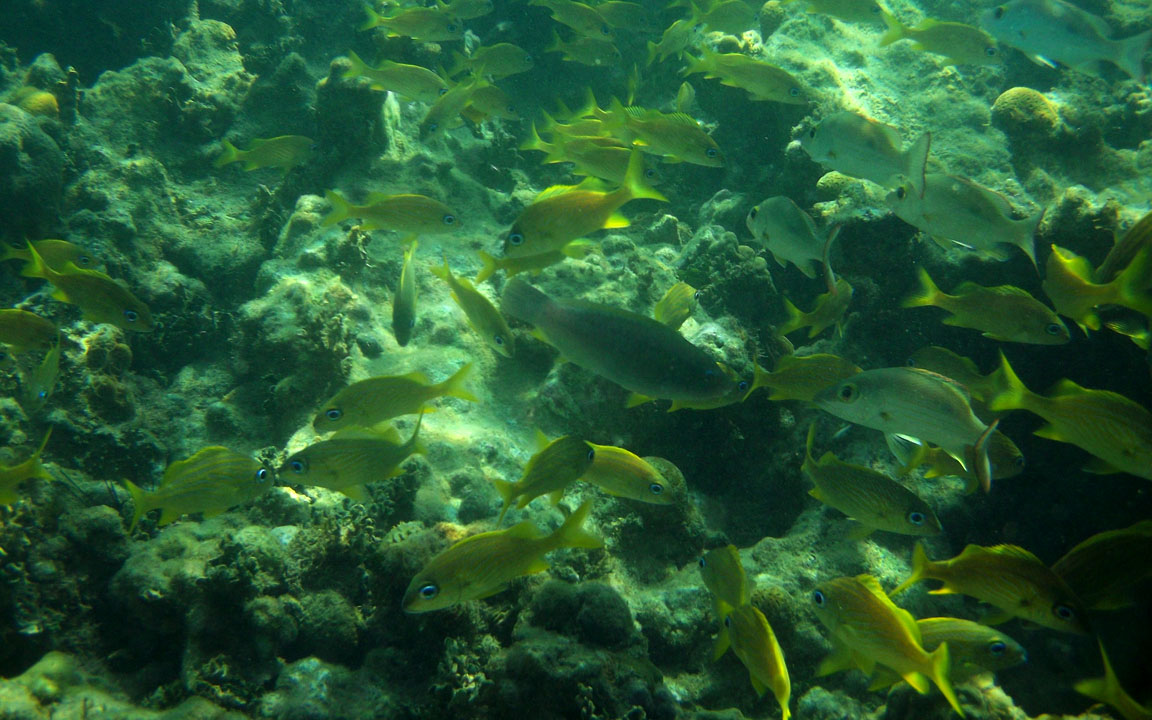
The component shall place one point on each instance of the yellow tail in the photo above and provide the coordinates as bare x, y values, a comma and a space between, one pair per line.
927, 295
920, 563
634, 180
572, 532
139, 502
230, 154
1010, 393
896, 30
341, 208
490, 266
454, 386
941, 668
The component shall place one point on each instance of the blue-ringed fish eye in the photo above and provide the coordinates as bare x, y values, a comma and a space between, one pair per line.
262, 474
847, 393
333, 413
449, 219
656, 488
373, 400
131, 316
997, 647
429, 591
299, 466
818, 598
916, 518
515, 238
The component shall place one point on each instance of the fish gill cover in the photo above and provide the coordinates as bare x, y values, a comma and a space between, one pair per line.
406, 360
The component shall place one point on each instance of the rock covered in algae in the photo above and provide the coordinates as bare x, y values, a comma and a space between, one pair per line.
31, 175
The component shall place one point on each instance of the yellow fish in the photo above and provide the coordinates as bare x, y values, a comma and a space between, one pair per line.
376, 399
602, 157
352, 458
1004, 312
482, 315
416, 214
100, 298
56, 254
619, 472
488, 101
755, 644
1068, 284
829, 310
12, 476
972, 647
37, 386
209, 482
404, 301
1108, 690
1105, 569
874, 500
284, 152
676, 136
21, 331
733, 17
466, 9
677, 38
1004, 459
419, 23
861, 11
619, 14
761, 80
556, 465
868, 629
802, 377
445, 112
725, 578
494, 61
960, 44
482, 565
411, 81
1125, 249
677, 305
1007, 577
562, 214
1116, 430
590, 51
582, 18
532, 263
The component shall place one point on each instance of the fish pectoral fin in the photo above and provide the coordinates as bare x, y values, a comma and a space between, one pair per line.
918, 682
494, 591
168, 515
996, 617
758, 686
815, 492
359, 493
1099, 466
838, 660
556, 496
859, 531
538, 565
616, 220
721, 645
1049, 432
637, 399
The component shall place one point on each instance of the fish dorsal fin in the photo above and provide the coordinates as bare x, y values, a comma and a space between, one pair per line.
945, 380
1012, 551
385, 432
1066, 387
542, 440
416, 376
873, 585
524, 530
554, 191
1005, 290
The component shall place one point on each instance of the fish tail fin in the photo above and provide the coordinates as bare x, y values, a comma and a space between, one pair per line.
371, 18
896, 30
534, 142
557, 44
1010, 392
454, 385
1130, 57
524, 302
634, 181
572, 532
36, 267
920, 563
795, 319
139, 502
489, 267
230, 154
441, 271
459, 64
7, 252
508, 494
1105, 689
358, 66
809, 461
927, 295
760, 378
1028, 240
1134, 283
341, 208
916, 162
653, 48
941, 668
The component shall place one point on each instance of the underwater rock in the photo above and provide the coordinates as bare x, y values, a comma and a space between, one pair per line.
591, 612
330, 628
348, 115
31, 176
1025, 115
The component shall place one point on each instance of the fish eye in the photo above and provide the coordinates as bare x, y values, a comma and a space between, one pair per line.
299, 466
657, 489
999, 13
916, 518
432, 127
812, 133
847, 392
429, 591
42, 394
511, 108
1064, 612
1019, 461
901, 193
131, 316
711, 152
649, 173
709, 373
702, 562
794, 91
606, 30
262, 474
443, 91
85, 261
412, 323
910, 362
818, 598
516, 239
452, 27
1053, 329
591, 454
334, 413
990, 51
696, 296
449, 219
498, 339
752, 213
997, 647
728, 621
742, 385
529, 59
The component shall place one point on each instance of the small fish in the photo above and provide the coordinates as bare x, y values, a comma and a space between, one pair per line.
861, 147
1050, 31
590, 51
411, 81
1116, 430
874, 500
376, 399
789, 234
482, 315
488, 101
466, 9
445, 112
960, 44
1004, 313
56, 254
762, 81
562, 214
957, 211
352, 458
943, 361
600, 157
532, 263
725, 578
868, 629
733, 17
38, 385
284, 152
972, 647
619, 14
1108, 690
829, 310
1123, 252
494, 61
861, 11
211, 481
415, 214
404, 301
755, 644
677, 38
1004, 459
580, 17
1068, 284
419, 23
1007, 577
676, 136
100, 298
12, 476
677, 305
802, 378
685, 97
633, 351
556, 465
621, 473
909, 401
483, 565
21, 331
1105, 569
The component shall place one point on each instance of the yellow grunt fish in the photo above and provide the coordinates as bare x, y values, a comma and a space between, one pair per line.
445, 112
376, 399
1105, 570
37, 386
621, 473
466, 9
482, 565
861, 147
1007, 577
677, 38
960, 44
21, 331
209, 482
1123, 252
1004, 313
762, 81
724, 576
1116, 430
532, 264
1108, 690
789, 234
829, 310
417, 214
868, 629
972, 647
676, 136
755, 644
419, 23
556, 465
352, 458
56, 254
404, 300
494, 61
619, 14
488, 101
1068, 284
677, 305
590, 51
633, 351
411, 81
482, 315
100, 298
562, 214
874, 500
12, 476
733, 17
802, 377
861, 11
582, 18
284, 152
